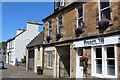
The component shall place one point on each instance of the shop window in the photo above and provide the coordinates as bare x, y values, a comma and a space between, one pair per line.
110, 61
104, 61
49, 59
99, 60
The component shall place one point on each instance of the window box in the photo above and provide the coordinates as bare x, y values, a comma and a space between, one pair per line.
58, 35
103, 23
48, 38
78, 30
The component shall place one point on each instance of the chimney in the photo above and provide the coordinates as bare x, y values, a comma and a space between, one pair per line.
19, 31
32, 26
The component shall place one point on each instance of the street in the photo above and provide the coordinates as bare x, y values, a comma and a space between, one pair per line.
16, 72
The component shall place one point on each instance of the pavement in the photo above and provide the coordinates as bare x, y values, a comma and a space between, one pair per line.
17, 72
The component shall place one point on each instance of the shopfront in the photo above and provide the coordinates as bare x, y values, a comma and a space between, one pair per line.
102, 56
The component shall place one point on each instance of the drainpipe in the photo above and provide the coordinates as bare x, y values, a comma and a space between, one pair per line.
27, 59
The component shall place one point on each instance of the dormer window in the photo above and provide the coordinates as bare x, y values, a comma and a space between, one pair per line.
61, 2
104, 10
49, 27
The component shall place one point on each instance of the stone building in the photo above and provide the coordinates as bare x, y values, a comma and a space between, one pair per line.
34, 55
77, 29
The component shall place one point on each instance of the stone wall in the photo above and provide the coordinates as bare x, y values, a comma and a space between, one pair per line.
49, 71
90, 19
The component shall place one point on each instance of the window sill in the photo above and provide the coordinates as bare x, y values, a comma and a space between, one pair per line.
101, 76
49, 67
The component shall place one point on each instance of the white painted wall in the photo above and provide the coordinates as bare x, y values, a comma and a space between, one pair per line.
21, 41
38, 58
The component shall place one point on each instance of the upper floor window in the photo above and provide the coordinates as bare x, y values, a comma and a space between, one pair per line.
59, 27
61, 2
80, 16
104, 10
50, 27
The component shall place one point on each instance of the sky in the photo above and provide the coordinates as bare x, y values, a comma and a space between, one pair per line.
16, 14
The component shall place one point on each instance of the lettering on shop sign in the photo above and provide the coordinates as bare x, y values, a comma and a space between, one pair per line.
94, 42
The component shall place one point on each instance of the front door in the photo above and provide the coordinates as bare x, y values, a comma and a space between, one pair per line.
31, 60
79, 68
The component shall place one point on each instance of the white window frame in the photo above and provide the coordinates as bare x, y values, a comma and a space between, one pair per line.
58, 25
104, 62
49, 59
49, 28
62, 2
83, 6
100, 10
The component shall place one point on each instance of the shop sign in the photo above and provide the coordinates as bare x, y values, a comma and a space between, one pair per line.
98, 41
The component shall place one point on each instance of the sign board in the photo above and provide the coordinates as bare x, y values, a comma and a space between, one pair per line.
98, 41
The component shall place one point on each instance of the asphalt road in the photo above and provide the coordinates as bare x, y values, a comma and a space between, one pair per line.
17, 72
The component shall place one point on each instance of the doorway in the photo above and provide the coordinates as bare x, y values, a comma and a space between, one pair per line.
64, 61
79, 68
31, 59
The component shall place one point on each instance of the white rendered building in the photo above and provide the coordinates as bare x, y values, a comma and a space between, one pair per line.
16, 46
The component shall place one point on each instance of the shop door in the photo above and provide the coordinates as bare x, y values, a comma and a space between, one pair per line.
79, 68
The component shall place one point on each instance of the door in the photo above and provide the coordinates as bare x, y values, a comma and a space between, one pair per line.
79, 68
64, 61
31, 60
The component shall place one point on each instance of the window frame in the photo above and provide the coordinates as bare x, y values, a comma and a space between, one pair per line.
63, 3
59, 25
49, 28
77, 14
49, 59
100, 10
104, 62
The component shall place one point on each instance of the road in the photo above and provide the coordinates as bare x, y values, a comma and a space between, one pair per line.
17, 72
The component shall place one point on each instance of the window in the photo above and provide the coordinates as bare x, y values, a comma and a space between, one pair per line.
61, 2
49, 59
104, 10
104, 62
110, 61
50, 27
99, 60
80, 16
56, 4
59, 27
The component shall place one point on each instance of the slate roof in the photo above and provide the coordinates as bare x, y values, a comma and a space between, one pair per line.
38, 40
15, 36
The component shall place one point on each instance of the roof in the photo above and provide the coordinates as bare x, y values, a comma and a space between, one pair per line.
38, 40
15, 36
33, 22
56, 12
